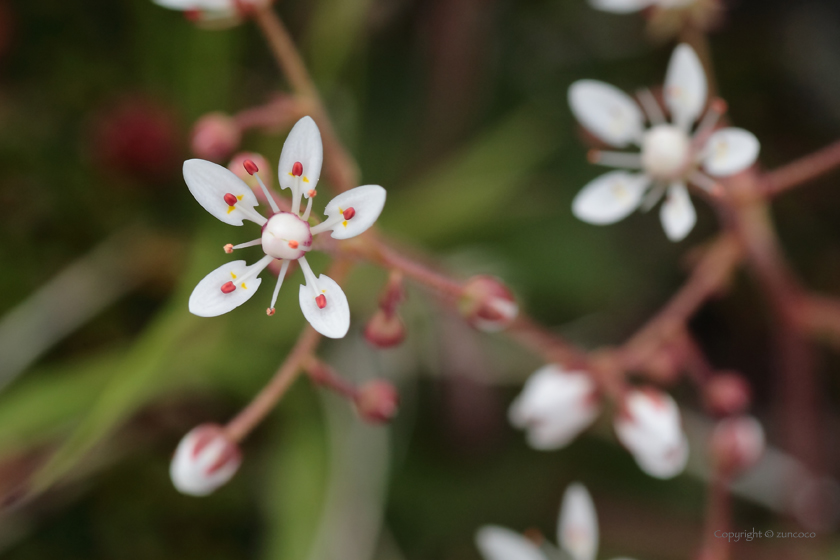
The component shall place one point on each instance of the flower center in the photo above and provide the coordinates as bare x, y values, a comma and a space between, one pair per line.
665, 150
285, 236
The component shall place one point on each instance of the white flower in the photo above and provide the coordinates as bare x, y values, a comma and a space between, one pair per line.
628, 6
286, 236
650, 427
555, 406
212, 11
671, 155
204, 460
577, 534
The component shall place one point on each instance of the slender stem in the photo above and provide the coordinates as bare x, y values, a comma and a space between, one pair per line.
802, 170
718, 520
265, 401
340, 166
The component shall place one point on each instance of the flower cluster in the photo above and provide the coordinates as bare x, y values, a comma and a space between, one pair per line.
286, 236
577, 534
555, 406
671, 155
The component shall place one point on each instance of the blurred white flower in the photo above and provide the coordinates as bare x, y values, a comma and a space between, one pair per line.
555, 406
671, 156
650, 427
577, 534
286, 236
204, 460
629, 6
222, 12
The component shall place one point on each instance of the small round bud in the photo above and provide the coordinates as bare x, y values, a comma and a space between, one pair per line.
215, 136
737, 444
204, 460
384, 330
487, 304
377, 402
727, 393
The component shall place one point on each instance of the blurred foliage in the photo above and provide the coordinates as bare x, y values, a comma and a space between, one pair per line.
93, 425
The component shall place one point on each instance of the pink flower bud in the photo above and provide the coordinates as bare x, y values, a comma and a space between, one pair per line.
727, 394
487, 304
377, 401
204, 460
384, 331
650, 427
737, 444
215, 136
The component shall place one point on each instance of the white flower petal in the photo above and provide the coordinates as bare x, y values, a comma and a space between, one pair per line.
729, 151
332, 321
607, 112
498, 543
685, 87
621, 6
610, 197
577, 527
554, 407
209, 183
651, 429
367, 202
208, 300
677, 213
303, 145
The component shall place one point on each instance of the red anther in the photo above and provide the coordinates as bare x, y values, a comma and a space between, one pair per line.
312, 193
230, 200
297, 169
250, 166
228, 287
349, 213
718, 105
229, 248
192, 15
293, 244
270, 311
321, 301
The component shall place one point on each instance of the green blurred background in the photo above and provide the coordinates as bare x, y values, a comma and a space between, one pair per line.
458, 108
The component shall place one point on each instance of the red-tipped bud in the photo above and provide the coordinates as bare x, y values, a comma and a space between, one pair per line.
349, 213
241, 167
230, 199
727, 393
215, 136
384, 331
737, 444
250, 166
321, 301
487, 304
228, 287
204, 460
297, 169
229, 248
377, 401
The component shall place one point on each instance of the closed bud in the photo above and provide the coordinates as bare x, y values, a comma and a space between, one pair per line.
384, 331
737, 444
204, 460
215, 136
727, 394
487, 304
377, 401
237, 165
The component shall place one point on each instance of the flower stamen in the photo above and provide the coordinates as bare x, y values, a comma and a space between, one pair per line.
228, 287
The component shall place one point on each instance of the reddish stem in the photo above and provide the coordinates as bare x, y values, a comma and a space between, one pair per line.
802, 170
